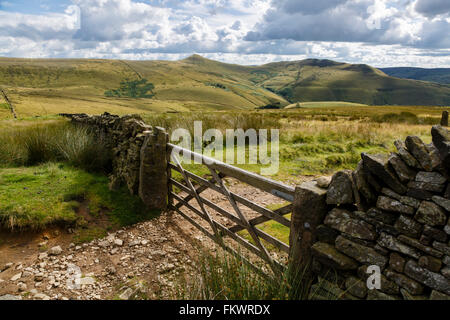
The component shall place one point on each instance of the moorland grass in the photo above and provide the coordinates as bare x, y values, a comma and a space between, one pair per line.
55, 141
48, 194
48, 168
224, 276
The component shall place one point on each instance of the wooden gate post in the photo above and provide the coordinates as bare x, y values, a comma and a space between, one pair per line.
9, 103
309, 210
153, 179
444, 119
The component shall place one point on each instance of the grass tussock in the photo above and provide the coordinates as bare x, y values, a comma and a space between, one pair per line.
214, 120
59, 141
227, 277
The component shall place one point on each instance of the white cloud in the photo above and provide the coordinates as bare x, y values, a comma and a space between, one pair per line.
377, 32
432, 8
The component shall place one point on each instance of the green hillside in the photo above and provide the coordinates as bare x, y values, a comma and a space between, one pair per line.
49, 86
325, 80
439, 75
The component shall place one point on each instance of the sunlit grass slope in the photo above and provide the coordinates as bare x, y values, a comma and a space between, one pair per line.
51, 86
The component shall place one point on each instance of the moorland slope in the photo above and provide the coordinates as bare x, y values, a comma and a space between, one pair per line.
49, 86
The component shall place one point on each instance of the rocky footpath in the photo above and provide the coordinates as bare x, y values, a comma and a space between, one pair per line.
392, 212
145, 261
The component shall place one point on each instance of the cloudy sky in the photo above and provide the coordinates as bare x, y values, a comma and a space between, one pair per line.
377, 32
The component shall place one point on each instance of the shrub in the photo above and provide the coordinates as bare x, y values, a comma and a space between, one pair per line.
132, 89
402, 117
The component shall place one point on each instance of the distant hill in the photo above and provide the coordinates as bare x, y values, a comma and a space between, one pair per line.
49, 86
325, 80
439, 75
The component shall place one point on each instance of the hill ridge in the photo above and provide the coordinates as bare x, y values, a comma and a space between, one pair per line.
38, 86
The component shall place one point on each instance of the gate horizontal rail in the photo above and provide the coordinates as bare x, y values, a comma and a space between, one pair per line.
240, 221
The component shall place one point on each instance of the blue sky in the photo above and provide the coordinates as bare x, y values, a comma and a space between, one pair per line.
376, 32
35, 6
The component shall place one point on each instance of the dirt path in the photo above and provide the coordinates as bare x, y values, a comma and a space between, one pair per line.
143, 261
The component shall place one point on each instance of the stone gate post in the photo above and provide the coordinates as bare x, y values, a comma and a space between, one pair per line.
153, 169
310, 208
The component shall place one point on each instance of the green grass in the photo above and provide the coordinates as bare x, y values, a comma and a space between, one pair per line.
323, 104
226, 277
40, 142
39, 196
89, 234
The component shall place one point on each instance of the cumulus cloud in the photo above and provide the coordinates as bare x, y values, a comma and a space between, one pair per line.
367, 21
432, 8
377, 32
310, 7
109, 20
337, 20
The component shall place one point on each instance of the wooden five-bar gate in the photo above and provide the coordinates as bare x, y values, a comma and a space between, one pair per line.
193, 201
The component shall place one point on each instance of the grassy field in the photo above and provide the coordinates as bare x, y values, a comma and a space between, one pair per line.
52, 173
324, 104
44, 160
318, 140
50, 194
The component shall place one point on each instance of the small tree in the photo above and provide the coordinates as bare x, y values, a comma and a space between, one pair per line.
132, 89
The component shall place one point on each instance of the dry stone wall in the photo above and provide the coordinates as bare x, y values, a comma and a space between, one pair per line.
392, 212
133, 149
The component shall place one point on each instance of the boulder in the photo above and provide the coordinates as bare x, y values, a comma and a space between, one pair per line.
382, 216
408, 226
378, 295
328, 255
361, 179
409, 201
444, 203
10, 297
377, 165
404, 173
426, 186
442, 247
434, 233
340, 190
323, 182
419, 194
360, 253
436, 295
430, 177
430, 263
412, 286
326, 234
405, 155
356, 287
416, 244
392, 205
55, 251
441, 140
418, 149
447, 192
387, 286
397, 262
431, 214
426, 277
446, 272
387, 241
342, 221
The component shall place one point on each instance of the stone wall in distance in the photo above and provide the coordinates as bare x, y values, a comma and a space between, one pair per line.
124, 137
